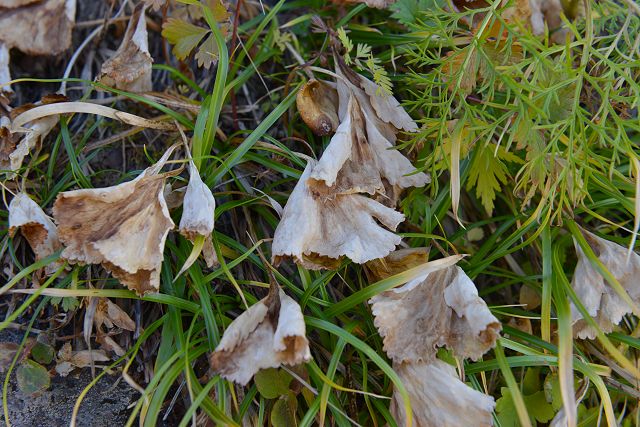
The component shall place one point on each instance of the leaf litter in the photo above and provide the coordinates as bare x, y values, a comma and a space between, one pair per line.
366, 200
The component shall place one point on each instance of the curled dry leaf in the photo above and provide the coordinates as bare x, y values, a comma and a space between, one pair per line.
35, 226
38, 27
383, 108
317, 103
130, 67
438, 397
600, 300
438, 307
123, 227
68, 360
359, 159
198, 207
270, 333
13, 148
5, 72
110, 314
317, 231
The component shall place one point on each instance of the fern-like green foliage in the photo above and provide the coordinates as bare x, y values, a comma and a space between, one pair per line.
364, 59
545, 123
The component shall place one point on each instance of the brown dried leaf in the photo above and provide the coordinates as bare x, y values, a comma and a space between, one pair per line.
600, 300
317, 103
130, 67
40, 28
359, 159
68, 360
439, 307
317, 231
439, 398
12, 152
270, 333
123, 227
396, 262
110, 314
35, 226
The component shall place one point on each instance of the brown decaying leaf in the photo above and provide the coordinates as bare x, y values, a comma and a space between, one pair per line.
123, 227
68, 360
600, 300
41, 28
130, 67
359, 159
439, 306
35, 226
439, 398
436, 309
270, 333
317, 231
110, 314
13, 148
317, 103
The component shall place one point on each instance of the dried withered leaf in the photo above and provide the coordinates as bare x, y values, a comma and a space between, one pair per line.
123, 227
317, 231
317, 103
5, 72
396, 262
35, 226
198, 207
40, 28
12, 152
548, 12
270, 333
378, 4
130, 67
439, 307
600, 300
359, 159
110, 314
387, 108
12, 4
68, 360
438, 397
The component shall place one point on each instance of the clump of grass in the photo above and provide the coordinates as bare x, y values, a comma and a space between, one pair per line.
526, 139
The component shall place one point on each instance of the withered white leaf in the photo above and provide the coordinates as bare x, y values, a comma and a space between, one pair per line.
384, 110
438, 307
438, 397
359, 159
130, 67
198, 207
387, 107
35, 226
38, 28
5, 72
269, 334
123, 227
601, 301
317, 230
317, 103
